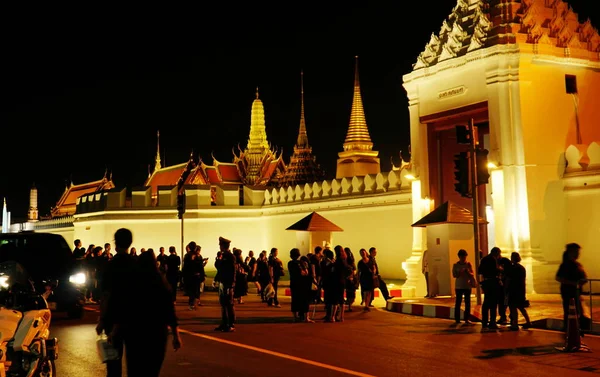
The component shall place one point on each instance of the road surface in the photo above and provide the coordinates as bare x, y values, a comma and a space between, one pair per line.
268, 344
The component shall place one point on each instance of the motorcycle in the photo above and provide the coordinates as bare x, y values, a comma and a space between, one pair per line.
26, 350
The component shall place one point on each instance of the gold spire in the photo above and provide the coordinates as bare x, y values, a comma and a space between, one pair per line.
257, 146
157, 165
357, 137
302, 135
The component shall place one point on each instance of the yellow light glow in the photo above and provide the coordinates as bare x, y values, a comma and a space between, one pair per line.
491, 165
410, 177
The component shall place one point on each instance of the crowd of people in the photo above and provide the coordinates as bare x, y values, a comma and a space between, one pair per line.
503, 282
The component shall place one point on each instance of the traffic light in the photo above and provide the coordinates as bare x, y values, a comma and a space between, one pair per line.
463, 135
483, 174
461, 174
180, 205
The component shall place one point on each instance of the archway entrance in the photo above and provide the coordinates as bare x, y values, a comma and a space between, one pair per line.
442, 146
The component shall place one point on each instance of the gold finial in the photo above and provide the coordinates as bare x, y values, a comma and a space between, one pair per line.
257, 92
157, 164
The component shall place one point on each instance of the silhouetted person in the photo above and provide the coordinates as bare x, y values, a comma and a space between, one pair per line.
172, 274
572, 276
226, 269
490, 283
128, 292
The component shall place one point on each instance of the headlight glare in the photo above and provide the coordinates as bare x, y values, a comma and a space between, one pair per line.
77, 279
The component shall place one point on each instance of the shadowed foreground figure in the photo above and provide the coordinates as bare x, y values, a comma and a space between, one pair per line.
132, 289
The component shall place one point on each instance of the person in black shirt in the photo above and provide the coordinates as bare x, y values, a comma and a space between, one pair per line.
571, 277
127, 292
226, 268
172, 274
504, 265
78, 252
488, 270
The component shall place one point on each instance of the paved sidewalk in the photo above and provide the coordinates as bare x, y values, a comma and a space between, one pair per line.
545, 311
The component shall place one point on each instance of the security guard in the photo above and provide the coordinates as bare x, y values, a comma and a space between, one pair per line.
226, 267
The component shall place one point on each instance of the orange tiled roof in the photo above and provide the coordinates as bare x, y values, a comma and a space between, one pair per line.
66, 205
228, 172
212, 174
167, 176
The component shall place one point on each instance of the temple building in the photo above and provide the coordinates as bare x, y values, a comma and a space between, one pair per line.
67, 202
526, 74
257, 165
303, 167
358, 158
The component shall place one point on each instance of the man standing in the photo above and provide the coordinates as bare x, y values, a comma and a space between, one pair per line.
488, 269
425, 270
161, 258
504, 265
382, 285
172, 274
78, 252
315, 269
226, 268
118, 290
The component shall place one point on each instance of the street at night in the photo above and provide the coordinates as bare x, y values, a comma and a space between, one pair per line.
378, 343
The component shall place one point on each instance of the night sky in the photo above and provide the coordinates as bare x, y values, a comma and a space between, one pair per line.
85, 89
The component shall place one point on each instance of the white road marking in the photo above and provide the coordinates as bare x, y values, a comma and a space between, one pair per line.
278, 354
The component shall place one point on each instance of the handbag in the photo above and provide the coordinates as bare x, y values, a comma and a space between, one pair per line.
106, 351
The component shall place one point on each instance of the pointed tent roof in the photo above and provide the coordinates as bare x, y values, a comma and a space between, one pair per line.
315, 223
447, 213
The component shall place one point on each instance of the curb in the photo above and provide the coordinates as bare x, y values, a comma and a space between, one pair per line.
447, 312
431, 311
393, 292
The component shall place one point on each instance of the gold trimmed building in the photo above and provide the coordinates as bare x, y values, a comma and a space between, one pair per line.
66, 205
303, 167
257, 165
358, 158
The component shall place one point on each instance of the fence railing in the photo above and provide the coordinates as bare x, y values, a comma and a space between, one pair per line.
590, 293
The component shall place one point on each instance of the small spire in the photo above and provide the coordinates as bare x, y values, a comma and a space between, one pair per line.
358, 133
302, 135
157, 164
149, 172
257, 92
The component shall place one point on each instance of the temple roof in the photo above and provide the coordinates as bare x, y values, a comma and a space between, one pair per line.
447, 213
66, 205
315, 223
167, 176
475, 24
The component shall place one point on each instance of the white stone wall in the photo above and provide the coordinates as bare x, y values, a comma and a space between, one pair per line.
372, 211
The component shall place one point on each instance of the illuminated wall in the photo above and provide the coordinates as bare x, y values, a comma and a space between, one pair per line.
373, 210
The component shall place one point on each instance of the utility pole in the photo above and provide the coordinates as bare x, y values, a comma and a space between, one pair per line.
475, 202
180, 214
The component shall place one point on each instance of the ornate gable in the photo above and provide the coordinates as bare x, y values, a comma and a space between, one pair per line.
477, 24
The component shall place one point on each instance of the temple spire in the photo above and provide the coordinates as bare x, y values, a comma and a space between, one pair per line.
357, 137
302, 135
358, 157
157, 165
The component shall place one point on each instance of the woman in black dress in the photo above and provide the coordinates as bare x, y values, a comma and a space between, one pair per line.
299, 285
516, 292
365, 277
